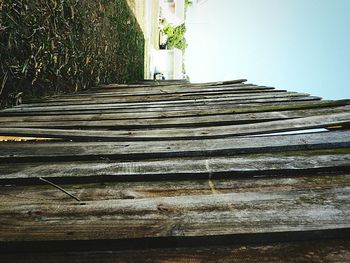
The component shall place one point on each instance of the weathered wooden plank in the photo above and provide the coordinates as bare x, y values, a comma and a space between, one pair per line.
169, 84
169, 107
185, 216
193, 86
186, 102
138, 189
163, 92
95, 99
159, 92
148, 84
201, 167
316, 251
173, 100
172, 83
323, 121
196, 109
154, 120
58, 151
224, 82
168, 90
112, 121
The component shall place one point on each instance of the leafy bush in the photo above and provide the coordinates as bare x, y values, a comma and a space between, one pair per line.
51, 46
188, 3
176, 36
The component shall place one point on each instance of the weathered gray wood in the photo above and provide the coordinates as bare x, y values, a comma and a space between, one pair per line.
323, 121
162, 149
139, 120
112, 121
202, 108
138, 189
110, 104
163, 95
149, 90
164, 185
205, 215
163, 92
196, 109
177, 105
118, 88
174, 103
159, 92
331, 251
168, 84
278, 164
179, 83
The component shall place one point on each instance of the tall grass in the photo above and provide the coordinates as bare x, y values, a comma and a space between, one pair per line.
52, 46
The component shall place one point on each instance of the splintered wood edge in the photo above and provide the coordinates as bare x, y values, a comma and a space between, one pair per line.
21, 138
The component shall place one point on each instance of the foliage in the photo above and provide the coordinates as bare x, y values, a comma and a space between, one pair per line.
188, 3
176, 36
52, 46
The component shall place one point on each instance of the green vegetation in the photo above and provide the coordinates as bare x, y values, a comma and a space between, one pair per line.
188, 3
176, 36
54, 46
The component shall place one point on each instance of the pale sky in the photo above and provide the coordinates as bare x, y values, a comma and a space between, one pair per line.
299, 45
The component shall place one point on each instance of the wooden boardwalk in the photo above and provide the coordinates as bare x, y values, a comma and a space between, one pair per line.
176, 172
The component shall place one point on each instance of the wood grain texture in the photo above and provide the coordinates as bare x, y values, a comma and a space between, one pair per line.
196, 109
324, 121
159, 93
114, 120
171, 84
218, 214
143, 188
169, 99
159, 119
24, 151
144, 90
245, 166
165, 95
108, 105
149, 171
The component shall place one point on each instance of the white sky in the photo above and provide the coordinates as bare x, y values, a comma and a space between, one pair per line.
299, 45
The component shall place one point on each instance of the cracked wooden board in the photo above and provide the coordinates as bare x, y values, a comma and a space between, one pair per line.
136, 150
184, 103
38, 192
190, 133
165, 99
292, 164
196, 109
156, 120
204, 215
142, 190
